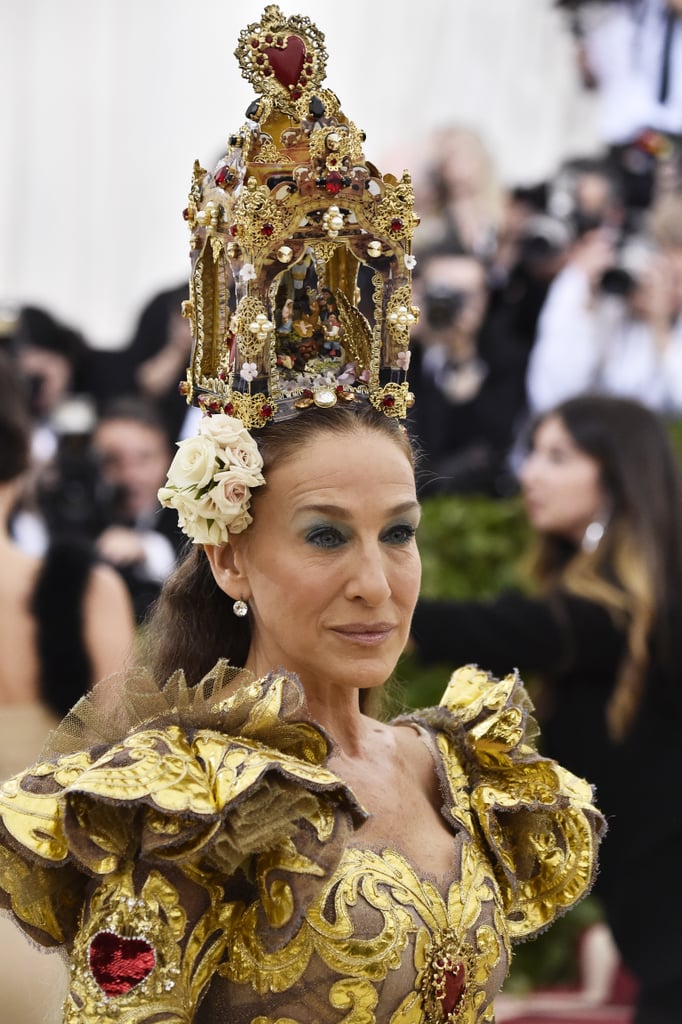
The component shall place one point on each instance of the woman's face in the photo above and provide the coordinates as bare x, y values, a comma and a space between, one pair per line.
561, 483
329, 565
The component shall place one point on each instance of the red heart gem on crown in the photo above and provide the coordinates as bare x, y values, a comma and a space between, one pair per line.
287, 61
118, 964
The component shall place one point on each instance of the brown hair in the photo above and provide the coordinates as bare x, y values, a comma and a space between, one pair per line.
15, 423
636, 570
192, 624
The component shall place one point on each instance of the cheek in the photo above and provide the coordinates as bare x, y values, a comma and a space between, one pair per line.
408, 581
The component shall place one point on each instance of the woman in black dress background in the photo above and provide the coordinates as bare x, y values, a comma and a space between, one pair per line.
603, 632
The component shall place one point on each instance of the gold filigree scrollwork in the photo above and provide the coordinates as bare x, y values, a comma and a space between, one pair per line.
178, 964
253, 338
322, 253
259, 216
253, 410
268, 153
256, 51
400, 317
392, 399
393, 216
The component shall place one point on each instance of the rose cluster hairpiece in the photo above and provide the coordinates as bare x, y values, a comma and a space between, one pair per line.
211, 478
300, 293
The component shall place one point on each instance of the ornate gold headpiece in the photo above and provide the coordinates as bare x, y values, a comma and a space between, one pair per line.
300, 290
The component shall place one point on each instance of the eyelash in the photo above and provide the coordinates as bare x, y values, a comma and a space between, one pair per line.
404, 531
330, 537
320, 536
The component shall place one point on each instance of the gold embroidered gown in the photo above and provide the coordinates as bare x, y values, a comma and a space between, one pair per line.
200, 863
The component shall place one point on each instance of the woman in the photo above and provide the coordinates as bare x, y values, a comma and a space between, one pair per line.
601, 488
232, 845
65, 622
244, 842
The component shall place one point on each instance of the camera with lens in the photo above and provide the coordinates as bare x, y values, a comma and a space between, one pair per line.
633, 260
75, 500
442, 305
617, 281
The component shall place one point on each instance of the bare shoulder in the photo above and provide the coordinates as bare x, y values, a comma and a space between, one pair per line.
416, 746
106, 585
109, 621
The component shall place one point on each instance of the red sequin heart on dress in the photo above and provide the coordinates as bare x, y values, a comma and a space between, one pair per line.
455, 981
451, 983
119, 964
287, 61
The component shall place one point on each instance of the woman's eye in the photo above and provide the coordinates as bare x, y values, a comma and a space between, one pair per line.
401, 534
325, 537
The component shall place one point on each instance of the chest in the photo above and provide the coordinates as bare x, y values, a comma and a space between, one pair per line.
377, 937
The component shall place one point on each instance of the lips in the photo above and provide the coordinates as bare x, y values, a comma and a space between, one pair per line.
365, 632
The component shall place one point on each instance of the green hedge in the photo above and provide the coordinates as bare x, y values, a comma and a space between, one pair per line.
471, 548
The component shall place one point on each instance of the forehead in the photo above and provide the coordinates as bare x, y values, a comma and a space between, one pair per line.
457, 271
358, 465
121, 435
552, 429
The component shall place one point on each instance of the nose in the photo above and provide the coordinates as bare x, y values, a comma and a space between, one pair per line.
528, 470
368, 577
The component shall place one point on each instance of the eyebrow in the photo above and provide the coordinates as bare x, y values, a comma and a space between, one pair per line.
344, 513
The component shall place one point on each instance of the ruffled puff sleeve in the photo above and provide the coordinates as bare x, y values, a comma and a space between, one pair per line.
127, 852
537, 820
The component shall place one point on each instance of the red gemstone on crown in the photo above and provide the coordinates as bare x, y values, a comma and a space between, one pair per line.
388, 402
267, 230
229, 408
118, 964
286, 61
396, 224
333, 183
223, 175
266, 411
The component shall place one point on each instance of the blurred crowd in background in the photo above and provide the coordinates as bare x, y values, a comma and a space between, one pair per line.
528, 295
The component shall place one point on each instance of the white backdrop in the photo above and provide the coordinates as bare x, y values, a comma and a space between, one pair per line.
104, 105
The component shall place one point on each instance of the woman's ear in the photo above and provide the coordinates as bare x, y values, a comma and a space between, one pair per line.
227, 565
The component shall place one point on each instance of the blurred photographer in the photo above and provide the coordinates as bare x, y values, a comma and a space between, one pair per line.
611, 322
630, 52
131, 449
49, 355
467, 377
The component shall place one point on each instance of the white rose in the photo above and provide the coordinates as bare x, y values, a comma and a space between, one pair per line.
207, 531
197, 517
240, 474
235, 444
229, 497
240, 522
194, 463
244, 455
223, 429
